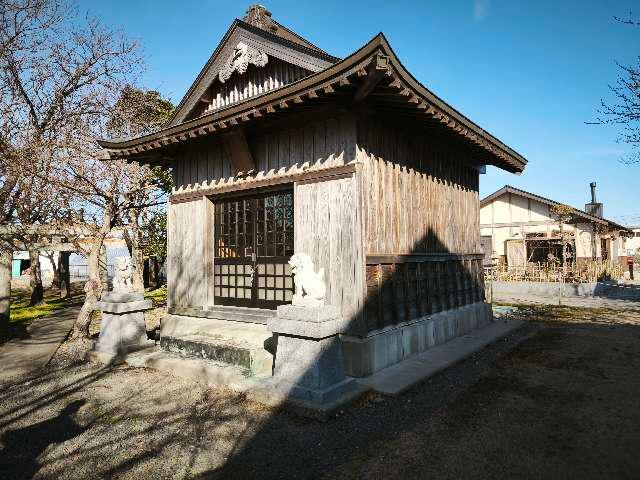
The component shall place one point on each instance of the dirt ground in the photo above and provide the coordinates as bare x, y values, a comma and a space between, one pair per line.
556, 399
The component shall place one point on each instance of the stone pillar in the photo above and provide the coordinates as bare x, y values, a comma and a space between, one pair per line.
122, 327
309, 366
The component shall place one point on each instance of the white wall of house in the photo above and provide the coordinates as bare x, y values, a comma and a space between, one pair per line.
632, 244
512, 216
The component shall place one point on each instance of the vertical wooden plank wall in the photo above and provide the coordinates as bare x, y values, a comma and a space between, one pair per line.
185, 266
306, 145
327, 227
327, 214
255, 81
419, 194
421, 215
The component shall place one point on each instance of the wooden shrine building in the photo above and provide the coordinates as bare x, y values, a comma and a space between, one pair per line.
279, 147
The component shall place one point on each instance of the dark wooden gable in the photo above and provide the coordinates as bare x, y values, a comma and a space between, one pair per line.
252, 59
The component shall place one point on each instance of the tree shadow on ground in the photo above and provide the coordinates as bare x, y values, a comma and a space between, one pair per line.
539, 410
23, 446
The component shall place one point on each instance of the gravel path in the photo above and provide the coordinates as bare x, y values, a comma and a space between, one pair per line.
556, 399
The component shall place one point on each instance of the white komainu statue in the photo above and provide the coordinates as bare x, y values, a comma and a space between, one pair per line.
123, 275
309, 284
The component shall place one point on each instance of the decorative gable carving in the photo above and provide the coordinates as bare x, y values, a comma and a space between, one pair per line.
256, 55
239, 61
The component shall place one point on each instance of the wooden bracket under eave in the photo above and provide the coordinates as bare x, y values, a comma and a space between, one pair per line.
236, 145
378, 67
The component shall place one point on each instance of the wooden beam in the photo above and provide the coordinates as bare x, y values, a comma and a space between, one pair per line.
236, 145
377, 69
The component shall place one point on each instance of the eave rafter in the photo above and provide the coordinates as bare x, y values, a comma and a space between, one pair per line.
376, 75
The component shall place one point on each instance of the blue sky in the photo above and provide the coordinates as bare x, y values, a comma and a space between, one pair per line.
530, 72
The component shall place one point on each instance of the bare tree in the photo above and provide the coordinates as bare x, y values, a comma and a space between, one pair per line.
60, 74
563, 214
139, 112
624, 111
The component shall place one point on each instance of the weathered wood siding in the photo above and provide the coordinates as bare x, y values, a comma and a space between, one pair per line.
328, 228
405, 289
420, 225
420, 195
186, 276
255, 81
327, 216
306, 145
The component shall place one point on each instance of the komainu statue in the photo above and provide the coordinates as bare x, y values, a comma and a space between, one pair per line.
123, 275
309, 285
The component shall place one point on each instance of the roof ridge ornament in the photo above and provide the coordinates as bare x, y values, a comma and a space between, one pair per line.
239, 61
259, 16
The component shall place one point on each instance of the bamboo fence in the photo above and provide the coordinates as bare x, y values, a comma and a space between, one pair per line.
584, 272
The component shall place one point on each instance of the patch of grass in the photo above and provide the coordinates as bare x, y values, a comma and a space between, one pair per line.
157, 296
21, 312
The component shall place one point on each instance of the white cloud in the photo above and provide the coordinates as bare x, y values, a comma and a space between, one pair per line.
480, 8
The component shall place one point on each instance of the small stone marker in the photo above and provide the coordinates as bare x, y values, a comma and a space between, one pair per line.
122, 327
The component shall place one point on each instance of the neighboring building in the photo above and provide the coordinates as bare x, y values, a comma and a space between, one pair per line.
632, 243
114, 246
279, 147
21, 264
519, 228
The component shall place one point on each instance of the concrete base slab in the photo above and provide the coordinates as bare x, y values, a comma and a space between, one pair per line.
398, 378
239, 333
277, 394
259, 388
210, 373
117, 358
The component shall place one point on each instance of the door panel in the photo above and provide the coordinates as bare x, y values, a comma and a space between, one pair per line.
253, 243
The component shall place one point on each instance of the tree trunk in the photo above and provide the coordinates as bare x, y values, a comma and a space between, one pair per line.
6, 258
92, 289
35, 282
56, 269
64, 274
103, 267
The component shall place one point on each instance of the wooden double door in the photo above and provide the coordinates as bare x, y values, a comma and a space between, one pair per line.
253, 241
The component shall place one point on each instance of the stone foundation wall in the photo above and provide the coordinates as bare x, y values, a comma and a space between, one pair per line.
378, 350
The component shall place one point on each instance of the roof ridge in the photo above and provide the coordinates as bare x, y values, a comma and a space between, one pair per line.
259, 16
507, 187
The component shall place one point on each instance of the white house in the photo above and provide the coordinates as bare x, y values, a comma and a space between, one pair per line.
632, 243
519, 227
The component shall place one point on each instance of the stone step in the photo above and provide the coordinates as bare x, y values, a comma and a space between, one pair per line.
255, 360
235, 314
204, 371
247, 345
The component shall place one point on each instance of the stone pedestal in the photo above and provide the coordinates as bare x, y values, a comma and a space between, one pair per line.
309, 367
122, 328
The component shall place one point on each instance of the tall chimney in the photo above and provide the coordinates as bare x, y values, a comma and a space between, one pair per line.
593, 208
